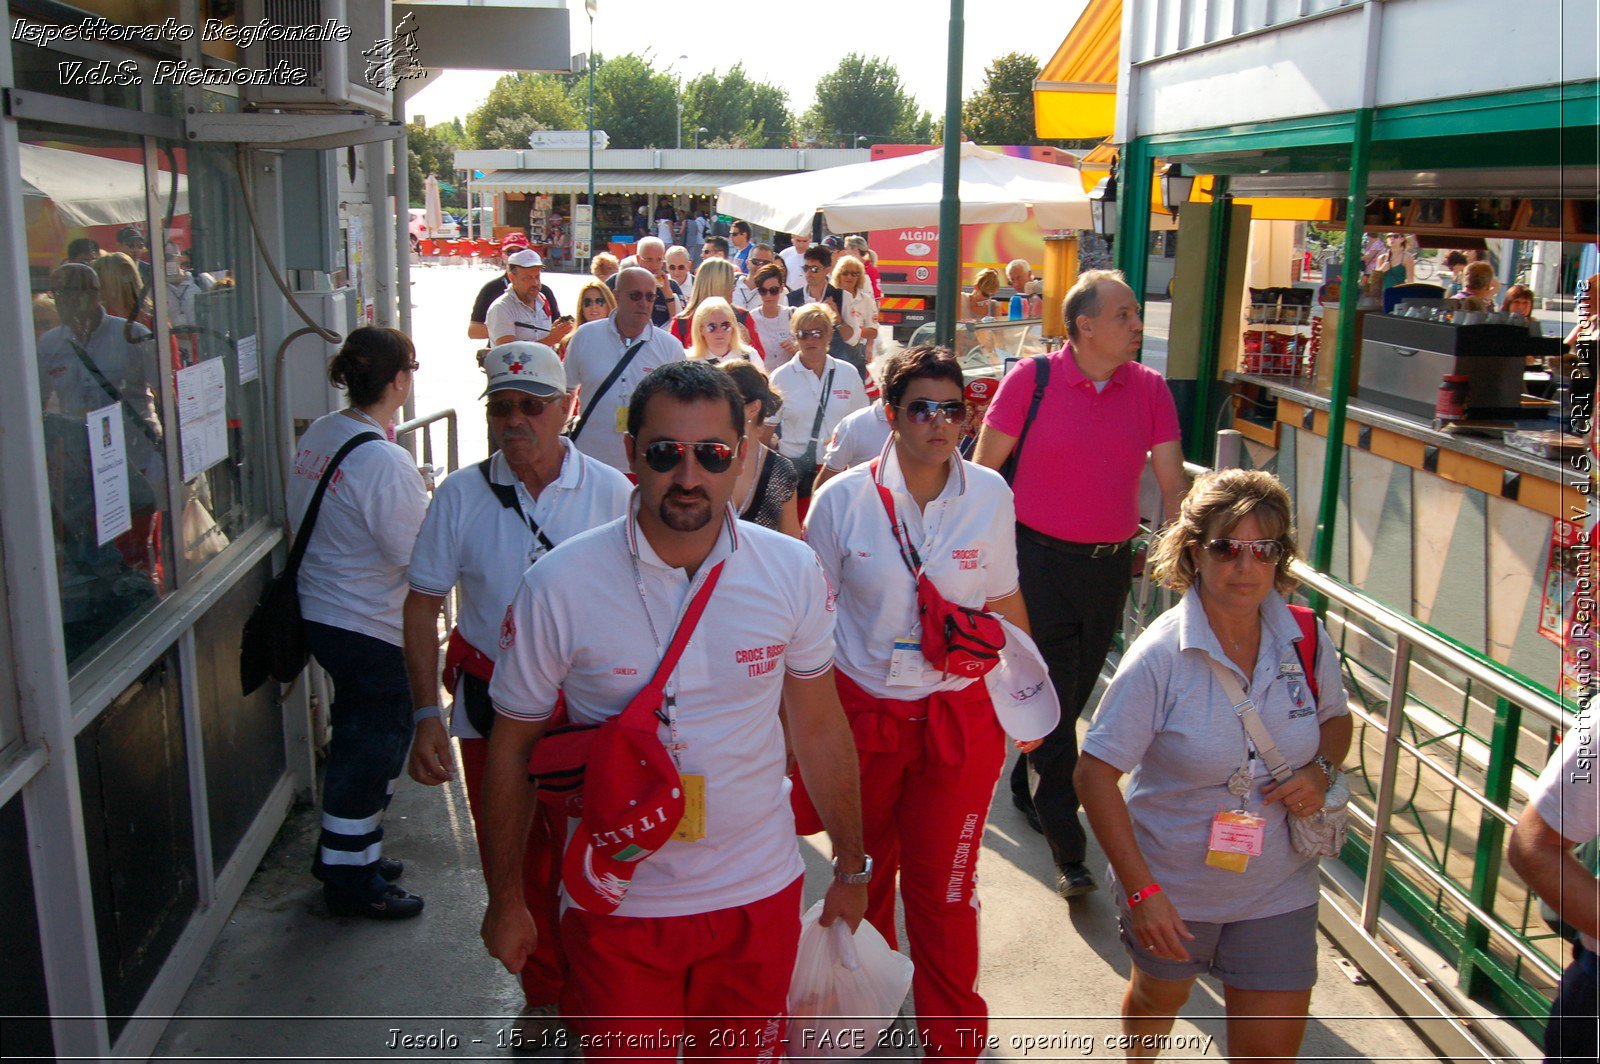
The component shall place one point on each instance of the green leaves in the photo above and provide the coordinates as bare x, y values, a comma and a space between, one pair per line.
1002, 111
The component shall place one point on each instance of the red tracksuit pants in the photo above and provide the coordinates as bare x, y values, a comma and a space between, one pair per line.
542, 977
713, 984
928, 771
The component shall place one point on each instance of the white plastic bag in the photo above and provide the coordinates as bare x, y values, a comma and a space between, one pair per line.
847, 989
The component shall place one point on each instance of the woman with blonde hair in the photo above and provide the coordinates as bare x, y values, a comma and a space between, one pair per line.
604, 265
716, 335
858, 317
715, 280
120, 286
979, 303
596, 301
1208, 874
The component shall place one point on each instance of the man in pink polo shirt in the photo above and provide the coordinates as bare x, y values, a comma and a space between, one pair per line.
1076, 479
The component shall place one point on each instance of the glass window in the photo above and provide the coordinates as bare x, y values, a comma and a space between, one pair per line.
100, 378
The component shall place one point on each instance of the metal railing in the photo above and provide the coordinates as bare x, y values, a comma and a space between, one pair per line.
1418, 887
452, 451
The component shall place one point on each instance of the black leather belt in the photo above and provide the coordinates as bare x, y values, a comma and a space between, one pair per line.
1067, 546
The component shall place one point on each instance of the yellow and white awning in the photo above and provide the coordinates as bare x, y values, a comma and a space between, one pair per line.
1075, 96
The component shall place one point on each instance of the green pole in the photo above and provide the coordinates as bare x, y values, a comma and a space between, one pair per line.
1491, 841
944, 311
1201, 447
1345, 343
1132, 244
593, 220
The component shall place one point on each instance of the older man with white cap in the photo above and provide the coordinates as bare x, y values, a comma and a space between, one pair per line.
523, 312
487, 524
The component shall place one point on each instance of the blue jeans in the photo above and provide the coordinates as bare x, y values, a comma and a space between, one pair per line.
1571, 1033
371, 718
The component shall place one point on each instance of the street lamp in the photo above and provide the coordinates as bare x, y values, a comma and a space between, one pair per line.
1103, 206
1176, 184
680, 111
697, 133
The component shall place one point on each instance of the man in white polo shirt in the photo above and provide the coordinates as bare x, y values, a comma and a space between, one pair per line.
487, 524
607, 359
859, 438
522, 312
693, 945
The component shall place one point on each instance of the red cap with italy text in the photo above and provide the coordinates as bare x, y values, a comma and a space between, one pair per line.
514, 239
633, 801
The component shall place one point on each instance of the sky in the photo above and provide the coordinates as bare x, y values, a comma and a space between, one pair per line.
791, 45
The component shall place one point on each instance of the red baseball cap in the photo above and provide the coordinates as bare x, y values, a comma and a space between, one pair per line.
515, 239
633, 801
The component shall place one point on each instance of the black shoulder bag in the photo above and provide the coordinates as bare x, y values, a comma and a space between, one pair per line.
605, 386
274, 642
1041, 381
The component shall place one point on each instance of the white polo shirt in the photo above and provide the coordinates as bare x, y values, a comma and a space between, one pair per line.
510, 316
354, 573
802, 391
470, 539
1565, 795
858, 438
591, 355
578, 624
794, 260
967, 538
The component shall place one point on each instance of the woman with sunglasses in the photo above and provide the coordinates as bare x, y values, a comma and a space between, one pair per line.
714, 281
1206, 876
596, 301
929, 744
858, 315
765, 490
718, 336
818, 390
771, 315
352, 586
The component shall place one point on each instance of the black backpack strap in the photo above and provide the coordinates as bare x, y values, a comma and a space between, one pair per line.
302, 538
507, 494
816, 426
605, 386
1041, 381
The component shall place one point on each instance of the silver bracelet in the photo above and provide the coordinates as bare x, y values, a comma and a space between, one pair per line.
424, 713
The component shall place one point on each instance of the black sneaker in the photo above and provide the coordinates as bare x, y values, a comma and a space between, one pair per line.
1074, 881
391, 868
388, 903
1025, 807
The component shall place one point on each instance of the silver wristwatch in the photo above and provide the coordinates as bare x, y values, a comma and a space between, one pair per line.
1327, 768
853, 879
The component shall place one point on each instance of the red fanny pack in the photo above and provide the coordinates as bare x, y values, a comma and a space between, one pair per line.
957, 640
560, 758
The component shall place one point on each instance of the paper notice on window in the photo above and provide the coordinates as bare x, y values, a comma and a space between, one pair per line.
108, 464
249, 364
202, 416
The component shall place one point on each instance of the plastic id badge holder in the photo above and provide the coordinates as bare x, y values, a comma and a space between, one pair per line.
692, 828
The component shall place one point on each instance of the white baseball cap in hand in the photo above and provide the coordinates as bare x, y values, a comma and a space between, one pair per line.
525, 366
1019, 686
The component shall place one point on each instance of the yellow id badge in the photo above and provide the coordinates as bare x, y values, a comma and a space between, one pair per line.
622, 418
1235, 838
692, 828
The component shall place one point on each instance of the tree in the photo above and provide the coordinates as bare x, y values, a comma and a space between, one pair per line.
1001, 112
633, 103
737, 111
861, 97
516, 106
432, 151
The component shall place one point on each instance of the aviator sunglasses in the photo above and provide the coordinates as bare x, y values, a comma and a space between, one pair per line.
923, 411
1227, 550
664, 455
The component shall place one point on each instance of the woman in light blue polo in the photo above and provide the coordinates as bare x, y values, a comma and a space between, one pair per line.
1207, 878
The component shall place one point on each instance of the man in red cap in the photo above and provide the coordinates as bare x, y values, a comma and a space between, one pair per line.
478, 327
678, 630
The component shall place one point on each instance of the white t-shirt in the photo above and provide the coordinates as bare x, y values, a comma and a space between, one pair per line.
773, 332
859, 438
746, 297
1567, 797
510, 316
860, 312
470, 539
591, 355
802, 391
354, 573
578, 625
967, 538
794, 261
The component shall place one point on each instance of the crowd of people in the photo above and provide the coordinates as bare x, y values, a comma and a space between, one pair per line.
696, 577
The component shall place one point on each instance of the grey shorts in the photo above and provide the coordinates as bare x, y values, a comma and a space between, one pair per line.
1272, 953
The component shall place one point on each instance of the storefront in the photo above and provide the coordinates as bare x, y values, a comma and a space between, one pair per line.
1329, 112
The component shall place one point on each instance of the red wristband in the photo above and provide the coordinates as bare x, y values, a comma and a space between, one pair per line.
1140, 895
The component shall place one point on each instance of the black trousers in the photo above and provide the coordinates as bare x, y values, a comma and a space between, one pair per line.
1075, 606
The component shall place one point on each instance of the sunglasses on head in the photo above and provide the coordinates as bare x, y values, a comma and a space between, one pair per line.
664, 455
810, 334
526, 405
768, 290
923, 411
1227, 550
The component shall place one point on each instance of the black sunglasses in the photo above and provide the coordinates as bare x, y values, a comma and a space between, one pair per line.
769, 291
1227, 550
923, 411
594, 301
664, 455
526, 405
813, 268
